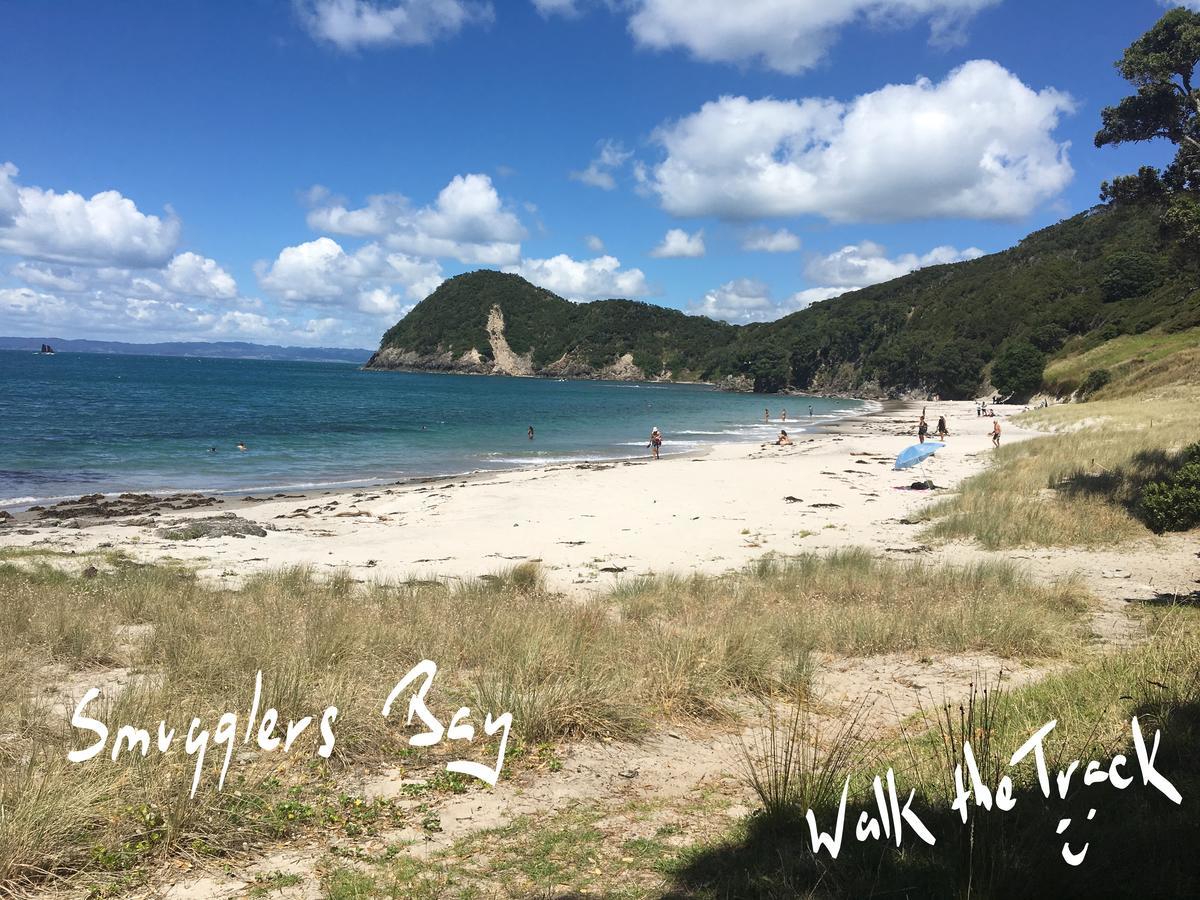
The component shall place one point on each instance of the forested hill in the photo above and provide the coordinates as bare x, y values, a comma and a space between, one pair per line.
1103, 273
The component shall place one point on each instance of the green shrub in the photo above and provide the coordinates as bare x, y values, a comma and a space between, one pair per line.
1128, 275
1173, 504
1095, 380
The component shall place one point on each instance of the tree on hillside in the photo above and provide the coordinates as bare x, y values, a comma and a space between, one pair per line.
1017, 369
1161, 64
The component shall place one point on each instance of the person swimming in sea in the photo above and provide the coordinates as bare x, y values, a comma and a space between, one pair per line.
212, 449
241, 446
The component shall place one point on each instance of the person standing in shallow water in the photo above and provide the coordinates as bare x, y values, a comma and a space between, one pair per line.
655, 442
531, 432
766, 415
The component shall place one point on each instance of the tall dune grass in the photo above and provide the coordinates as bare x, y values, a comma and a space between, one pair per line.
166, 646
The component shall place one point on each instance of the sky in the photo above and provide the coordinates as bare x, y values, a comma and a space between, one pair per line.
303, 171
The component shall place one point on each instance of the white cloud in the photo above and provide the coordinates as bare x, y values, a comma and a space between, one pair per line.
746, 300
809, 296
57, 278
467, 222
567, 8
197, 276
350, 24
786, 35
739, 301
106, 229
763, 240
594, 243
867, 263
977, 145
677, 243
1186, 4
10, 198
599, 172
583, 279
321, 272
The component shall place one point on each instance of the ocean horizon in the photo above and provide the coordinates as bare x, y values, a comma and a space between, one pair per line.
79, 423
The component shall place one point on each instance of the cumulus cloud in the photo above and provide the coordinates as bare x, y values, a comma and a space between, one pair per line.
350, 24
763, 240
138, 318
677, 243
739, 301
746, 300
57, 278
468, 222
786, 35
105, 229
600, 171
867, 263
907, 151
198, 276
583, 279
369, 280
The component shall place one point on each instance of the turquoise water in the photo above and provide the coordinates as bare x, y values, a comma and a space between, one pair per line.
78, 423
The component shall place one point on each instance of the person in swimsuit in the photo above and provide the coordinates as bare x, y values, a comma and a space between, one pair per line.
531, 432
655, 441
996, 433
941, 428
922, 429
241, 446
784, 440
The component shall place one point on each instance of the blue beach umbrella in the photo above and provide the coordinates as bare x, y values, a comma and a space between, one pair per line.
916, 454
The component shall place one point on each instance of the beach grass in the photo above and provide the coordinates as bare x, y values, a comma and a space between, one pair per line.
163, 645
996, 853
1078, 486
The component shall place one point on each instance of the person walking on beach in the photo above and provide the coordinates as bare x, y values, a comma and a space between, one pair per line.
996, 433
922, 429
531, 432
655, 441
941, 428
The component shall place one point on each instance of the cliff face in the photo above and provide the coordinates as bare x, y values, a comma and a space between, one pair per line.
503, 360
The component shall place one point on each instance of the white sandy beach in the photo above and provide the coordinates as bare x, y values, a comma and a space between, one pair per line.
589, 525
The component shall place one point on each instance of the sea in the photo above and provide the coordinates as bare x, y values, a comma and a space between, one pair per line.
80, 423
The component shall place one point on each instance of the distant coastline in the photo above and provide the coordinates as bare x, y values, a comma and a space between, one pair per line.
204, 349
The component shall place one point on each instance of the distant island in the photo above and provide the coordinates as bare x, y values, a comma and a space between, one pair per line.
213, 350
955, 331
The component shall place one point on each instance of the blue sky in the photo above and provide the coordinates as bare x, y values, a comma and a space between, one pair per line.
302, 172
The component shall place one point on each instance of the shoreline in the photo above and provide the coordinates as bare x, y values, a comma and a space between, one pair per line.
588, 524
18, 505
